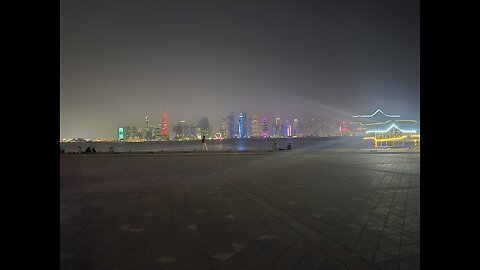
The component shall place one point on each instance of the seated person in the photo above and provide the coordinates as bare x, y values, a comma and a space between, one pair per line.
289, 147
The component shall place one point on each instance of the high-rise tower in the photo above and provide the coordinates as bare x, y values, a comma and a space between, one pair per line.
264, 127
254, 127
204, 126
224, 129
277, 127
231, 126
164, 130
147, 132
241, 125
295, 127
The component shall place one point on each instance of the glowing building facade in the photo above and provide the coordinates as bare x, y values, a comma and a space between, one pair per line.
386, 130
164, 135
295, 131
254, 127
241, 125
264, 127
204, 126
277, 128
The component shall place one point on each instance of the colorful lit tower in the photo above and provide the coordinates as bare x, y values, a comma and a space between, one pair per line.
241, 125
264, 127
164, 129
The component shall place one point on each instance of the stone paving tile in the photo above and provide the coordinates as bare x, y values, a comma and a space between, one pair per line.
368, 203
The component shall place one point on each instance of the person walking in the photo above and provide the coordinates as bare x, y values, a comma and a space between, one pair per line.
204, 144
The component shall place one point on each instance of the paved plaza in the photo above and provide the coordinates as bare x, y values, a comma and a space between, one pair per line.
280, 210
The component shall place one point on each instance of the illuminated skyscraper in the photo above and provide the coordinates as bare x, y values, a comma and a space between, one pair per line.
224, 129
125, 133
295, 127
147, 132
311, 127
146, 123
284, 129
277, 127
164, 130
344, 130
241, 125
186, 133
156, 132
121, 133
178, 132
254, 127
134, 133
193, 132
231, 126
204, 126
264, 127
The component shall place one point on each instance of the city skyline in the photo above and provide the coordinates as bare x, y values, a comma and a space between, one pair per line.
332, 59
242, 126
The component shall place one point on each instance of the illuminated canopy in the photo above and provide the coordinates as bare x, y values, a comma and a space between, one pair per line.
377, 111
392, 126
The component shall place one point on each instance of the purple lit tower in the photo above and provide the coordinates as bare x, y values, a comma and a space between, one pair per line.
264, 127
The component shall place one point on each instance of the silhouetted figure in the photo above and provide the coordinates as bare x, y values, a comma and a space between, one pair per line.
62, 151
110, 150
88, 150
204, 144
79, 150
289, 146
93, 150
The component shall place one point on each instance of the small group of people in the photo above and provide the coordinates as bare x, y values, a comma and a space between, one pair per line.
275, 147
89, 150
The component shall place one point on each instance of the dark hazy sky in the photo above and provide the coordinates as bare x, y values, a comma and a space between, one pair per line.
123, 60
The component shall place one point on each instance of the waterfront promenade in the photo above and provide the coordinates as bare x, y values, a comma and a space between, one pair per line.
348, 209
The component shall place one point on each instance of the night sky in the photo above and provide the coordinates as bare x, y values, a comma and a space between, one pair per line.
123, 60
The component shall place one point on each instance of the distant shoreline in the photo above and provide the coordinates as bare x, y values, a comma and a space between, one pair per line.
258, 152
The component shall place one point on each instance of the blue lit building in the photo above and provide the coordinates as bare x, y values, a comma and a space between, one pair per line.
241, 125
